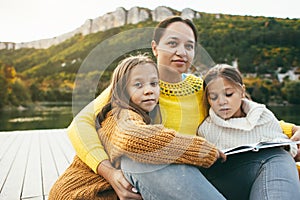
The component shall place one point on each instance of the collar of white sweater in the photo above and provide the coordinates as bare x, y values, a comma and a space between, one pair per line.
255, 114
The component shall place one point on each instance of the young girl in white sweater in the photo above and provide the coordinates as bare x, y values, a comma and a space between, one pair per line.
235, 120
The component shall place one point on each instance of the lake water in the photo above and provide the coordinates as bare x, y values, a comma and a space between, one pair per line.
41, 116
49, 116
289, 113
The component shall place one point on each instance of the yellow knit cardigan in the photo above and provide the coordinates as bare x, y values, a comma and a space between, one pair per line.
129, 136
126, 134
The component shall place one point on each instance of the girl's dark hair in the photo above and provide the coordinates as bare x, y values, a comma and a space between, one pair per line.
119, 97
161, 27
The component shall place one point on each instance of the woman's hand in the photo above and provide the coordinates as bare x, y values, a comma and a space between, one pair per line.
297, 157
222, 156
115, 177
296, 137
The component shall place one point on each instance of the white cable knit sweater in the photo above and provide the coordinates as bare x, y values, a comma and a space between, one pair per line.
259, 125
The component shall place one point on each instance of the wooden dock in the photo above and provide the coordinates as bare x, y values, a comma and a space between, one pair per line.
31, 161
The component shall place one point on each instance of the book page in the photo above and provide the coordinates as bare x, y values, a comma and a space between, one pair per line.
239, 149
257, 146
263, 145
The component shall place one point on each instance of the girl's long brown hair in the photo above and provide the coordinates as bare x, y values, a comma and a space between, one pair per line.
119, 97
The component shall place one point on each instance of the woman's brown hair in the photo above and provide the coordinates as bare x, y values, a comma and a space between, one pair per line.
161, 27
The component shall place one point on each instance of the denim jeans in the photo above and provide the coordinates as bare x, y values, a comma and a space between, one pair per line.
268, 174
164, 182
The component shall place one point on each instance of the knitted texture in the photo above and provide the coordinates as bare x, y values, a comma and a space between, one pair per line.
129, 136
79, 182
179, 103
182, 105
298, 167
287, 128
259, 125
83, 135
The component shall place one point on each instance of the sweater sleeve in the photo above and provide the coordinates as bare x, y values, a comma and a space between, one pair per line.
287, 128
83, 135
156, 144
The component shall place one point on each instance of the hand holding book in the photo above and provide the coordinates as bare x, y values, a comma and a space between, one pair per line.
262, 145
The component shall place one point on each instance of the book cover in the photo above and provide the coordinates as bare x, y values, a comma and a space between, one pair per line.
257, 146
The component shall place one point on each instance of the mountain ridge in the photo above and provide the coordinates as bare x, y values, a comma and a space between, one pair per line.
117, 18
260, 46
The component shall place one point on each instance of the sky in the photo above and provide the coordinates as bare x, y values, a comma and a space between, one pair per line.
29, 20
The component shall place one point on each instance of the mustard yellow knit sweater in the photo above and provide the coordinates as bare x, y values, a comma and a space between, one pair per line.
129, 136
182, 105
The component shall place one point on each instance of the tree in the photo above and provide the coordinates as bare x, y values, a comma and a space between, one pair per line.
10, 73
3, 91
292, 91
36, 93
19, 94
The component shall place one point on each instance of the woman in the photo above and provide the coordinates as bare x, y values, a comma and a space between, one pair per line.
181, 99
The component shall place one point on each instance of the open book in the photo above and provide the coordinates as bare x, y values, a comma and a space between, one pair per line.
257, 146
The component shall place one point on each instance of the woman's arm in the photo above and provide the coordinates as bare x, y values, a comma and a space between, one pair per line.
85, 140
296, 137
83, 135
293, 132
287, 128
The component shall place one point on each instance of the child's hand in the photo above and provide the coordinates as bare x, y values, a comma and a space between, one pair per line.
296, 133
296, 137
297, 157
222, 156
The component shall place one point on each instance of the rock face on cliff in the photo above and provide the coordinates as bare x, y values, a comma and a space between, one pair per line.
110, 20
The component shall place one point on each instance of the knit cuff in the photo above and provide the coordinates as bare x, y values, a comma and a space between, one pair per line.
95, 159
287, 128
207, 153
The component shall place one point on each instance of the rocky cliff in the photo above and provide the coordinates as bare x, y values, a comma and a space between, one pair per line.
110, 20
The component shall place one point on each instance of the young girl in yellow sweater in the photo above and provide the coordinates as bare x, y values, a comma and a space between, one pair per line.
127, 131
124, 124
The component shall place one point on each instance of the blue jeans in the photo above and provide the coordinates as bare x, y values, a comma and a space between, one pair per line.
267, 174
176, 182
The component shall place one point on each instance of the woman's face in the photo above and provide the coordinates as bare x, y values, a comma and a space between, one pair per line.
176, 48
225, 98
142, 87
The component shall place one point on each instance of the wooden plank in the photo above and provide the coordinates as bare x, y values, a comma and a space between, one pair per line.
58, 154
49, 170
35, 198
6, 162
3, 139
31, 161
33, 186
66, 146
14, 182
6, 142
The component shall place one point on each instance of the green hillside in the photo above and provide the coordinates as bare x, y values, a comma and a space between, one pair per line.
261, 45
